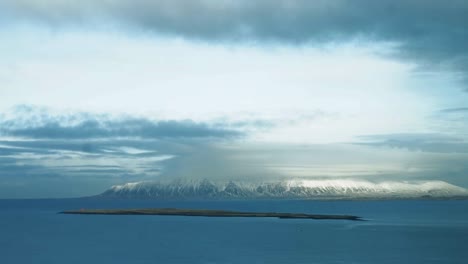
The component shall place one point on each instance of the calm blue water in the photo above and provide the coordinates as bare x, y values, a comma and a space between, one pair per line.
31, 231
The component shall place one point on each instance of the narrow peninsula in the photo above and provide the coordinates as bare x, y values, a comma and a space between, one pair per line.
209, 213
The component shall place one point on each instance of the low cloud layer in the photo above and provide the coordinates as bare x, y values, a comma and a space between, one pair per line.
47, 154
35, 124
84, 153
431, 33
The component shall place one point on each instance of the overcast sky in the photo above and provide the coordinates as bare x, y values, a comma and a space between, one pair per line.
98, 92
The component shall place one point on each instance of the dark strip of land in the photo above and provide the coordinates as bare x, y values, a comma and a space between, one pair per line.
209, 213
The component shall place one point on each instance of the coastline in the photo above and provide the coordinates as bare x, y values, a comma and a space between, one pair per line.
209, 213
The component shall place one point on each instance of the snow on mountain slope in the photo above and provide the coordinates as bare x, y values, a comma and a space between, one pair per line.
287, 189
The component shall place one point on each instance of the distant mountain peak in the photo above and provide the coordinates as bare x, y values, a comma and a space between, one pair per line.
285, 189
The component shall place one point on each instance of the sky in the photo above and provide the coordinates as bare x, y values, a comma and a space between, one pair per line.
95, 93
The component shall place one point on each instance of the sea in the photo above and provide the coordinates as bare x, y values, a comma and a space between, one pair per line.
397, 231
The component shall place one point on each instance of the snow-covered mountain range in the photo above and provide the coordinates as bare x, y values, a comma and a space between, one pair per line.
284, 189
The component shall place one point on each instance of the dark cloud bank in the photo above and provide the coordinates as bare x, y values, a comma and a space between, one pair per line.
37, 123
430, 32
129, 127
48, 155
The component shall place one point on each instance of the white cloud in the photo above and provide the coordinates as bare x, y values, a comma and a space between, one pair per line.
178, 79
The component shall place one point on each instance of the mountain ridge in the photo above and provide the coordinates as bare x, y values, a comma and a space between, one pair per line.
284, 189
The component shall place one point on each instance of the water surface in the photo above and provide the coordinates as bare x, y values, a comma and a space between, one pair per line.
31, 231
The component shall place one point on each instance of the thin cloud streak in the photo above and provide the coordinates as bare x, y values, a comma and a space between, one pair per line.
455, 110
426, 142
